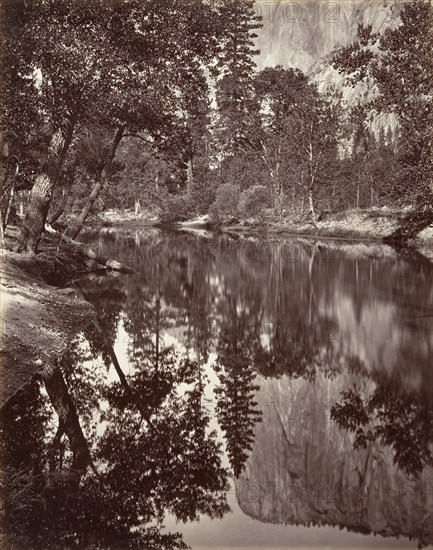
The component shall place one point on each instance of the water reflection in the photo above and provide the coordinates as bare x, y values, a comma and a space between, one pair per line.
113, 486
119, 435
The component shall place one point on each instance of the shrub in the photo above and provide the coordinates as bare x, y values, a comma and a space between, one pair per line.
254, 201
175, 209
202, 196
226, 201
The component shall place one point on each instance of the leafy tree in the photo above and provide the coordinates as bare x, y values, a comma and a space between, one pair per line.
162, 439
69, 61
23, 458
315, 124
403, 87
191, 137
226, 201
296, 139
155, 455
122, 65
278, 92
254, 200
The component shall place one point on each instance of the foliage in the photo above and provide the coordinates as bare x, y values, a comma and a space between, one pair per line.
163, 443
237, 410
202, 192
403, 88
102, 66
234, 88
226, 201
394, 418
176, 208
254, 201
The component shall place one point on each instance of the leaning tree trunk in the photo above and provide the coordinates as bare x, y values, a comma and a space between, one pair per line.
112, 354
42, 190
65, 195
98, 185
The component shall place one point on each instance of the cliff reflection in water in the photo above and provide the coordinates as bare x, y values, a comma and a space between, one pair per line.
318, 360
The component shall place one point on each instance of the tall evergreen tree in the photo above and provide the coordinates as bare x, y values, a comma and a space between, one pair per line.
234, 87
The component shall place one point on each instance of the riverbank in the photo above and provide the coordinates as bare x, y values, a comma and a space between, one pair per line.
39, 317
396, 227
367, 225
371, 225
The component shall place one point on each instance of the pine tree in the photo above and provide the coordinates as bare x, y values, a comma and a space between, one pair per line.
234, 87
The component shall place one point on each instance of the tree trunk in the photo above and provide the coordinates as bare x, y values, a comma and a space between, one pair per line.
281, 200
9, 207
98, 258
311, 203
1, 229
99, 184
36, 215
189, 177
65, 195
109, 348
42, 190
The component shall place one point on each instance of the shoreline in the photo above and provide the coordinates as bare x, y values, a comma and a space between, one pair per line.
376, 226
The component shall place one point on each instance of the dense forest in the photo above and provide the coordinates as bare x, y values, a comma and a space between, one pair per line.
158, 106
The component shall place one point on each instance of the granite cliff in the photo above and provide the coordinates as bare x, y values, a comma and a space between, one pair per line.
304, 35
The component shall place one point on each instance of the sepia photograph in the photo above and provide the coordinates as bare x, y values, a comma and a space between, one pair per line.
216, 263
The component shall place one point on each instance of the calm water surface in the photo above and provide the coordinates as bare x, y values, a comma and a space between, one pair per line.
289, 381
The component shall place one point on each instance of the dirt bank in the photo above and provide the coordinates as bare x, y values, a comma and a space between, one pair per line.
38, 320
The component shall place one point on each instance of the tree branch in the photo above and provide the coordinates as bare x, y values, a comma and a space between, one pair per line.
139, 137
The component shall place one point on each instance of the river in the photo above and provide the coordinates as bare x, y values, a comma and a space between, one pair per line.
289, 378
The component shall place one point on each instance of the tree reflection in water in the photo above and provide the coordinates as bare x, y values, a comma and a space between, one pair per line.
237, 411
401, 419
131, 445
155, 455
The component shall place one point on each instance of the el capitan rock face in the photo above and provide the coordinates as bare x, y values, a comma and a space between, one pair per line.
302, 34
303, 468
